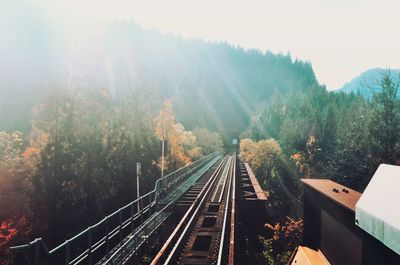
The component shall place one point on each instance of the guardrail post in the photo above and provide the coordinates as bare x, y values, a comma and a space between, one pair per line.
132, 214
120, 225
11, 260
151, 204
140, 208
120, 234
90, 245
37, 252
30, 253
157, 190
67, 252
162, 188
107, 228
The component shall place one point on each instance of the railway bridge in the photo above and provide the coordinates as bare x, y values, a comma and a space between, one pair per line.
190, 217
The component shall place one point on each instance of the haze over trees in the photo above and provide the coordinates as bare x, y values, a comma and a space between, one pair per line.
213, 85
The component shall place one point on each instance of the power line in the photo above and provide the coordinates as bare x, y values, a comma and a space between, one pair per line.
290, 195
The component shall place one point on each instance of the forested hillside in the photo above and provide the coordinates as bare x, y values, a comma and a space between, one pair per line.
322, 134
77, 116
318, 134
213, 85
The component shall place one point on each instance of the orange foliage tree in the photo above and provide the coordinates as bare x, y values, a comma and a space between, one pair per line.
282, 240
182, 144
17, 164
308, 164
12, 231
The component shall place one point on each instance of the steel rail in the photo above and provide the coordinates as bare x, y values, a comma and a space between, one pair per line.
224, 184
225, 172
222, 239
126, 244
192, 211
198, 208
231, 259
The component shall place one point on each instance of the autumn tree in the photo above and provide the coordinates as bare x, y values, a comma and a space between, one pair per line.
182, 144
260, 155
276, 175
281, 240
17, 162
247, 150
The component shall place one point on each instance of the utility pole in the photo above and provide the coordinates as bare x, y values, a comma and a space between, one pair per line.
162, 157
138, 174
162, 145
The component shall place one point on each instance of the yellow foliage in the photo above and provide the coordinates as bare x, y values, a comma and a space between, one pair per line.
307, 162
260, 155
11, 145
182, 144
165, 121
282, 240
247, 150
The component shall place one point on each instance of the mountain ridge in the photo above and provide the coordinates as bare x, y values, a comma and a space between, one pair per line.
367, 82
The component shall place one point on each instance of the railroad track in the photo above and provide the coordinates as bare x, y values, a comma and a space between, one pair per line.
205, 233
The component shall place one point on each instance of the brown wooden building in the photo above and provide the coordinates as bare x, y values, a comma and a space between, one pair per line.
331, 233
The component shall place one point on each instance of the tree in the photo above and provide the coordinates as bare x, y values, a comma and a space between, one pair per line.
384, 124
208, 141
182, 144
164, 125
329, 138
260, 155
349, 164
165, 121
90, 145
14, 176
247, 150
55, 184
17, 162
282, 240
269, 150
12, 231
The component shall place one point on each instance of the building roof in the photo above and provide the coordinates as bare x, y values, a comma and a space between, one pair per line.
378, 210
308, 256
345, 196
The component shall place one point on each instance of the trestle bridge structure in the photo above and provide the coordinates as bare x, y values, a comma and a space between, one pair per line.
190, 217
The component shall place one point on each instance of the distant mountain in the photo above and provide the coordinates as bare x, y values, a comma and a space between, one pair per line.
367, 82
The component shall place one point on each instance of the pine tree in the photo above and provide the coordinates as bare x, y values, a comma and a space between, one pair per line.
384, 125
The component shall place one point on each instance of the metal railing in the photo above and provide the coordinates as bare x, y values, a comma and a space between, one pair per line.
87, 246
96, 241
168, 183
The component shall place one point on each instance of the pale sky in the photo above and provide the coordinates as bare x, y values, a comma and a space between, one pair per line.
341, 38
